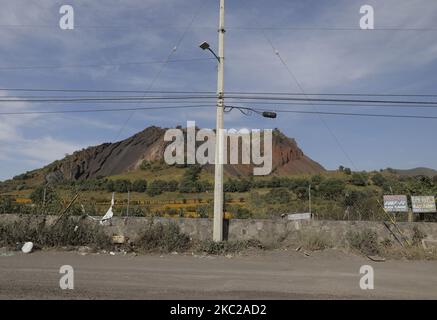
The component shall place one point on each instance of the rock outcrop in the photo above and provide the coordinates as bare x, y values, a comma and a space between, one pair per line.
148, 145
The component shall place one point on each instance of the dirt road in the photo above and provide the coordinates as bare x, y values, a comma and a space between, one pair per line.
266, 275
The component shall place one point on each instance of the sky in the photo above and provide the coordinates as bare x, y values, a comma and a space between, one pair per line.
319, 42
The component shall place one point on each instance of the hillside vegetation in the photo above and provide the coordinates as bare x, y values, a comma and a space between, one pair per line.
157, 189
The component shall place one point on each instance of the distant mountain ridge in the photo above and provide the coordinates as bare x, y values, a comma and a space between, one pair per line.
420, 171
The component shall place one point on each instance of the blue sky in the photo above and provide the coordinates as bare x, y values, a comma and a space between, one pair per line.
323, 61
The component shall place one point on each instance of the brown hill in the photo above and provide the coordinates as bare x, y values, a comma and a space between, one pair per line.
148, 145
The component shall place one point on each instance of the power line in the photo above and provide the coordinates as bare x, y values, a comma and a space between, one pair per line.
103, 91
235, 97
356, 114
213, 92
102, 64
334, 136
331, 100
103, 110
178, 43
333, 28
104, 99
256, 110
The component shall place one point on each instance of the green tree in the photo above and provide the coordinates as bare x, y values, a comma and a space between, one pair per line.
122, 185
378, 180
332, 188
156, 187
37, 196
359, 179
139, 186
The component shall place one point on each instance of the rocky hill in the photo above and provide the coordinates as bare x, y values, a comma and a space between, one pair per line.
110, 159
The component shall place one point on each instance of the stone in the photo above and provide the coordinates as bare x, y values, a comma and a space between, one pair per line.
27, 247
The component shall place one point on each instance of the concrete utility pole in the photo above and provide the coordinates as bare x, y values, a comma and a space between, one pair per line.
218, 188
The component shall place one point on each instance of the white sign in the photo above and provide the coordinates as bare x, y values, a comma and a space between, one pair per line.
395, 203
423, 204
299, 216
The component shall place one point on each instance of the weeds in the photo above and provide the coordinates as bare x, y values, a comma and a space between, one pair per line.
163, 238
418, 236
68, 232
227, 247
315, 241
365, 241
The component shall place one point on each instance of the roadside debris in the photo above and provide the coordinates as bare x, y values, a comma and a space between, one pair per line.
305, 253
84, 250
376, 258
108, 215
27, 247
118, 239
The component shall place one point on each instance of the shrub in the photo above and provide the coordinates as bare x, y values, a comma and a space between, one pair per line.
157, 187
203, 211
316, 241
139, 186
68, 231
378, 180
359, 179
242, 213
331, 188
418, 236
163, 238
122, 186
365, 241
225, 247
37, 195
280, 195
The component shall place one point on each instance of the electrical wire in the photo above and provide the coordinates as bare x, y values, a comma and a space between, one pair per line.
102, 64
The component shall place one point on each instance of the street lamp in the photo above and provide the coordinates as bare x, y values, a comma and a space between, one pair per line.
205, 46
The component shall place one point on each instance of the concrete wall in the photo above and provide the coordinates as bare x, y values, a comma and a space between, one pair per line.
267, 231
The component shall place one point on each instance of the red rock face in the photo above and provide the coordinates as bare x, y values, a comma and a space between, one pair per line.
115, 158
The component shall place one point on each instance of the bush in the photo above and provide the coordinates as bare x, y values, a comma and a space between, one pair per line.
67, 232
331, 188
280, 195
157, 187
378, 180
365, 241
243, 213
122, 186
163, 238
418, 236
37, 195
225, 247
316, 241
139, 186
359, 179
203, 211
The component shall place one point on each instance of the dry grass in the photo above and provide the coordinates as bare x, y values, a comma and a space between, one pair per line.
68, 232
